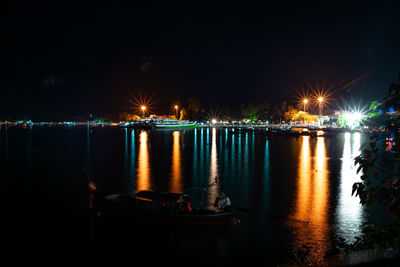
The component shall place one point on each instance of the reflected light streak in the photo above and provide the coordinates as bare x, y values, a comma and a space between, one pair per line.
311, 206
202, 147
195, 156
132, 163
246, 153
176, 171
126, 159
349, 215
303, 196
233, 155
319, 211
266, 177
143, 170
239, 154
213, 179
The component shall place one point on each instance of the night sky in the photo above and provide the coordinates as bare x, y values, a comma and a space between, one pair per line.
71, 58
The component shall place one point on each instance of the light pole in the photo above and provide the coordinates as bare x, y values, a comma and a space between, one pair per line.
143, 108
176, 111
305, 101
320, 100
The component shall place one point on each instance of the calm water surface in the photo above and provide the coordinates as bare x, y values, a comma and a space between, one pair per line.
297, 190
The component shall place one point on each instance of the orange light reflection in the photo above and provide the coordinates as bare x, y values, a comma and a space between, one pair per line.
303, 195
176, 171
143, 170
310, 219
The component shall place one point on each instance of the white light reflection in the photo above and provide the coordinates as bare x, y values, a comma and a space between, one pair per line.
350, 214
213, 179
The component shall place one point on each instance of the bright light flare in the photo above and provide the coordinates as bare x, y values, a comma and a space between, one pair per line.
303, 99
353, 118
142, 104
213, 121
321, 97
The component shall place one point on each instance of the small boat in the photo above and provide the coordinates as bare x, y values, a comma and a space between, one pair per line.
158, 207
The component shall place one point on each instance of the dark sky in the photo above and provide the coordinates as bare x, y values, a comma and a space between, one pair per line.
82, 58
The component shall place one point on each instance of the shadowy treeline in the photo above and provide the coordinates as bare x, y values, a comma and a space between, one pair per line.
190, 109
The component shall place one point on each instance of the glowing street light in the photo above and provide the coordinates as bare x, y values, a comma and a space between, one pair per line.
143, 108
320, 100
176, 109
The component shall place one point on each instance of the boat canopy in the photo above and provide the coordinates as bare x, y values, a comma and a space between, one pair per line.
160, 196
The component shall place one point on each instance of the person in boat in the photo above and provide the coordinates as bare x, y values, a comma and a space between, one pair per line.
223, 202
188, 206
185, 205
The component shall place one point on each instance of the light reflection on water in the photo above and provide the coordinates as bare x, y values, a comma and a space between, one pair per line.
143, 170
230, 158
213, 179
176, 185
349, 212
302, 186
310, 218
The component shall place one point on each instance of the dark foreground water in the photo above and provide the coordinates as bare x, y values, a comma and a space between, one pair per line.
298, 191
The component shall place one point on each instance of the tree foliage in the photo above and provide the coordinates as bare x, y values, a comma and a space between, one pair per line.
291, 114
193, 109
379, 163
125, 116
295, 115
251, 112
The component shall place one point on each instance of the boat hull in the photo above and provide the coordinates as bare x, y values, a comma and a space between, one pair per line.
189, 126
129, 210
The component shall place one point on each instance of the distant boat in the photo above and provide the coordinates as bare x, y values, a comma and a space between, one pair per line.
172, 124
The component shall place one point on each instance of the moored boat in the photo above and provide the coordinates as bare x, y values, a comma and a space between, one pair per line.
173, 124
158, 207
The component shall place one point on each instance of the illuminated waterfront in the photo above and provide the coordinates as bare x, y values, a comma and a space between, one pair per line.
298, 189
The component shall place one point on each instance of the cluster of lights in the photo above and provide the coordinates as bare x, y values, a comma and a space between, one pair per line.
320, 98
352, 118
143, 104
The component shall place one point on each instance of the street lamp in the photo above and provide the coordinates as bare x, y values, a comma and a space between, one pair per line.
143, 108
176, 110
305, 101
320, 100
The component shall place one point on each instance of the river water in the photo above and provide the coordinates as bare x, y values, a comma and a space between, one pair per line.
293, 194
